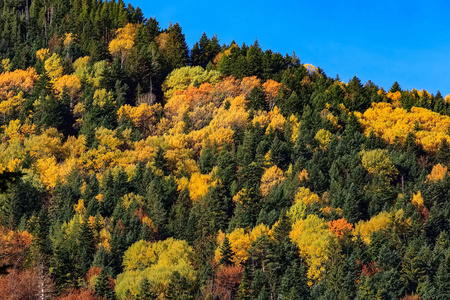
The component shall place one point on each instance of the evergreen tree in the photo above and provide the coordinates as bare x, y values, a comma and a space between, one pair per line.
226, 253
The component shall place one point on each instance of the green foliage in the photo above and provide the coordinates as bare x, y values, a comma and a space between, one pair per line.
102, 173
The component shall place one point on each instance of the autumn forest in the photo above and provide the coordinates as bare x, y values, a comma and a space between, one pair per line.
133, 167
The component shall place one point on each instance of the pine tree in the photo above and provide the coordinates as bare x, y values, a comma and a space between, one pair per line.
244, 289
145, 291
226, 253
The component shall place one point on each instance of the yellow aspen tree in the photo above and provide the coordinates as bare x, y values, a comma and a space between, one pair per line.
437, 173
376, 223
42, 54
394, 124
53, 67
323, 137
377, 162
71, 84
156, 262
277, 120
17, 80
240, 242
312, 237
122, 44
271, 177
417, 201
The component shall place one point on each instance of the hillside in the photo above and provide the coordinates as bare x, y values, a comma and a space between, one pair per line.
133, 167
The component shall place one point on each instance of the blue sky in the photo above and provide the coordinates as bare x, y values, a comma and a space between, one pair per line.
382, 41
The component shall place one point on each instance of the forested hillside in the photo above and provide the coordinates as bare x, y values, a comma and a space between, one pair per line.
133, 167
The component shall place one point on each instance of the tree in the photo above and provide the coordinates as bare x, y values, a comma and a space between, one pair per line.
226, 253
271, 177
124, 42
145, 292
378, 163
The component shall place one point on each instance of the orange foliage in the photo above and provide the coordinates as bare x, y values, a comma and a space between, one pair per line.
13, 246
303, 175
25, 285
17, 80
227, 282
79, 294
340, 227
248, 84
271, 89
93, 271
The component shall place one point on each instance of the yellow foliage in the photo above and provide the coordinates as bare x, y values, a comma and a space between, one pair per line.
417, 201
323, 137
235, 116
104, 239
6, 65
80, 63
295, 127
311, 69
99, 198
182, 78
128, 199
366, 228
70, 83
377, 162
13, 129
312, 236
438, 173
10, 105
381, 92
277, 120
101, 97
79, 207
303, 198
49, 171
303, 175
156, 262
395, 98
53, 66
271, 177
220, 136
261, 118
18, 80
68, 38
143, 117
240, 242
14, 165
198, 185
124, 41
393, 124
42, 54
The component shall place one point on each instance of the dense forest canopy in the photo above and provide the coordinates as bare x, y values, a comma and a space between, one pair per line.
133, 167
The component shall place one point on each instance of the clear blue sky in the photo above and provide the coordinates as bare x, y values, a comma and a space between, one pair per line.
382, 41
